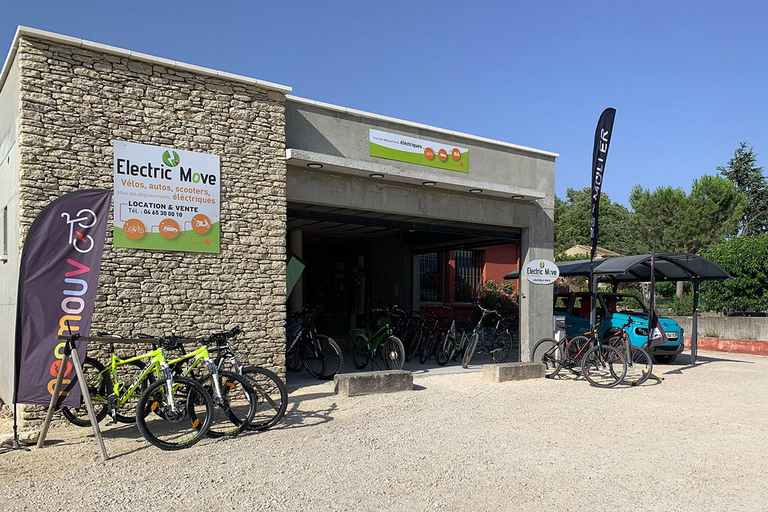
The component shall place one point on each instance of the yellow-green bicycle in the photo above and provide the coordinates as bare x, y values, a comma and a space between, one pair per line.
171, 409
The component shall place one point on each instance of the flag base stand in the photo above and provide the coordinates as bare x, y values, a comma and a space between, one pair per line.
70, 352
15, 445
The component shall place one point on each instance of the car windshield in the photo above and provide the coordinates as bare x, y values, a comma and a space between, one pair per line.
628, 304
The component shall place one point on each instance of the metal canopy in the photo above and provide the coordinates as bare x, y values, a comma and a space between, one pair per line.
669, 266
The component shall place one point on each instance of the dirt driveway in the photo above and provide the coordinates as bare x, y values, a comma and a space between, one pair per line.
697, 441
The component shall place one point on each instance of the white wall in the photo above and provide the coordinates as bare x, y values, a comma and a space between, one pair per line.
9, 197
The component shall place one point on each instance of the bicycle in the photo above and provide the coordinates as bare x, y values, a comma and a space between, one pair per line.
172, 412
234, 400
90, 222
448, 349
271, 393
317, 353
433, 335
365, 345
478, 333
639, 361
499, 344
601, 365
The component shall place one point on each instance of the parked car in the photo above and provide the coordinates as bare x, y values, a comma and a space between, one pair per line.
614, 309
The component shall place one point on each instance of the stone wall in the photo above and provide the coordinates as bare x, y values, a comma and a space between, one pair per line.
76, 102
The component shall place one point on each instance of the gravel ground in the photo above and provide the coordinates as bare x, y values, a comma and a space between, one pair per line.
696, 441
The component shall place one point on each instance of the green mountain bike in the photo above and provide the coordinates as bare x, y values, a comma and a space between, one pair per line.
366, 344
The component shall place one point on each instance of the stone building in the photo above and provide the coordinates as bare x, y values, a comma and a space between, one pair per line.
294, 172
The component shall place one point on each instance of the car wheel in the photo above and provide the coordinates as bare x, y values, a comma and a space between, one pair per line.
665, 359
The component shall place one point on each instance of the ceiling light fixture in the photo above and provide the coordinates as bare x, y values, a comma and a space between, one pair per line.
429, 183
377, 175
518, 197
476, 190
315, 166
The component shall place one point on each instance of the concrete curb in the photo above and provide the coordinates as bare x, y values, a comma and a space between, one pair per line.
753, 347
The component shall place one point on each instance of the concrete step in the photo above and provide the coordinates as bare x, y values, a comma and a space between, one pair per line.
504, 372
368, 383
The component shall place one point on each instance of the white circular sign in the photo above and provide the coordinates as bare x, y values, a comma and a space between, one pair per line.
541, 272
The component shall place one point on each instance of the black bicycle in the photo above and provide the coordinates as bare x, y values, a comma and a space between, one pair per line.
317, 353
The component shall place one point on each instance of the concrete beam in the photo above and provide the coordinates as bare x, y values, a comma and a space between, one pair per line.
368, 383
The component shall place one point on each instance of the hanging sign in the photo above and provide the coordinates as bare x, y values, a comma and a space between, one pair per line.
418, 151
166, 199
541, 272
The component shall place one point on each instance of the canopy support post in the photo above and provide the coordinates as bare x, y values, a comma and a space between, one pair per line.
695, 333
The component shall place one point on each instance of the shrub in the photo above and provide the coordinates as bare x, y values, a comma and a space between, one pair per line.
746, 259
501, 295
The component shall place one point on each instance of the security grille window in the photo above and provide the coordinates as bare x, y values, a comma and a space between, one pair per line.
432, 277
469, 274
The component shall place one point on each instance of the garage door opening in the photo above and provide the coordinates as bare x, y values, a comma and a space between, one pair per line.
359, 261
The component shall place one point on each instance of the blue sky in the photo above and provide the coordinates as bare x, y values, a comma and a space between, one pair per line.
688, 79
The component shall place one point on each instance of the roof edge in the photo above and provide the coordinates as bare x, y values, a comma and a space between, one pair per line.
412, 124
122, 52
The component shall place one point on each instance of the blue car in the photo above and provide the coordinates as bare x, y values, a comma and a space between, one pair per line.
615, 309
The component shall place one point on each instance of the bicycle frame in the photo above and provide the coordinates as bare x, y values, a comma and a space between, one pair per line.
158, 365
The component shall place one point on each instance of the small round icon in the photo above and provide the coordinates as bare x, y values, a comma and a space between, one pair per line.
429, 153
442, 155
134, 229
201, 224
169, 228
456, 154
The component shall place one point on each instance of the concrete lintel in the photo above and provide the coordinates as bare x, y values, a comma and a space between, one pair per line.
301, 158
368, 383
421, 126
513, 371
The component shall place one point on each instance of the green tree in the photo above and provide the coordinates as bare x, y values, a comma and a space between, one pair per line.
572, 220
674, 221
746, 259
742, 171
657, 218
712, 213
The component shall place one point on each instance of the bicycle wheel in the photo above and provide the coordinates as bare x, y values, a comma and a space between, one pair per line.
604, 366
393, 353
234, 409
128, 373
639, 366
502, 347
293, 359
175, 419
97, 388
470, 350
271, 397
361, 351
576, 348
322, 357
428, 347
444, 350
415, 345
550, 353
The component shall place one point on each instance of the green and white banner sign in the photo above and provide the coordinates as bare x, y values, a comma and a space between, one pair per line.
418, 151
166, 199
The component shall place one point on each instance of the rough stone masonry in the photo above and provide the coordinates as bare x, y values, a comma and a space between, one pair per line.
76, 102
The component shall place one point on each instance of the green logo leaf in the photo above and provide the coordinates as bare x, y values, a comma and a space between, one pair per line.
171, 161
541, 265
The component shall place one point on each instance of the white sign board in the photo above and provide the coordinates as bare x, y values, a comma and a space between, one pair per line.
541, 272
166, 199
